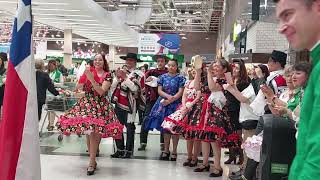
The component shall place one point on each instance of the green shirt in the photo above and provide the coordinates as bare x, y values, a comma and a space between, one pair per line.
295, 100
55, 76
306, 165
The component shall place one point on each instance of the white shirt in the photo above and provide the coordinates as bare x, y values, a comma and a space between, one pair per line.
246, 112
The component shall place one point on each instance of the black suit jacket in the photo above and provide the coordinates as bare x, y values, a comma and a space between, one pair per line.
44, 83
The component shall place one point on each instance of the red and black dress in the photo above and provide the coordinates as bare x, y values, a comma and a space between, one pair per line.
92, 113
217, 126
196, 117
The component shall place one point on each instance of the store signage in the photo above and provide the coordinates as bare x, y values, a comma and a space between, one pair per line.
159, 44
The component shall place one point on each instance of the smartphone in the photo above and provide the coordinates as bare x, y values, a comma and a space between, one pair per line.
228, 77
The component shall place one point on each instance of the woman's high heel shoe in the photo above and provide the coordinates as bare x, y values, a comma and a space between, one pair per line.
230, 160
202, 168
164, 156
173, 157
187, 163
216, 173
193, 163
91, 169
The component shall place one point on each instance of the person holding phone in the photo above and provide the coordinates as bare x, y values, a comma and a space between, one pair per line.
240, 79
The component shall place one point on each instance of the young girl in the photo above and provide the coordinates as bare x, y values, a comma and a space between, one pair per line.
170, 89
177, 123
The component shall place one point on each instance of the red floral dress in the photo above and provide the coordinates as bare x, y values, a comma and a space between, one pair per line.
92, 113
175, 122
217, 126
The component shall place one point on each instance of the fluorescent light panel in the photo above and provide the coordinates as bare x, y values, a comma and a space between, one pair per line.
64, 10
88, 20
71, 15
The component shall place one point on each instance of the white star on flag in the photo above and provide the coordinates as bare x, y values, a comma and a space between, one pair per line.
23, 14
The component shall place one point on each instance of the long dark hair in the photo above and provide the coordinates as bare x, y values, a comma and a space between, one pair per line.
225, 64
243, 77
105, 62
264, 70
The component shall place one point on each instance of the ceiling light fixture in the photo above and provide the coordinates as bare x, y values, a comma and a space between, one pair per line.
187, 3
61, 10
49, 18
49, 3
70, 15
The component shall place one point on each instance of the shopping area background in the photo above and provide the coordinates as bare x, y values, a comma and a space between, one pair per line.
234, 113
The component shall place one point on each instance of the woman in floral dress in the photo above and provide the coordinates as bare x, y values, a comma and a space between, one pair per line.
195, 120
175, 122
93, 114
170, 89
217, 129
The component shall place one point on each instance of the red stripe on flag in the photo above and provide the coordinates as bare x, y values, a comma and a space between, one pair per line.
12, 124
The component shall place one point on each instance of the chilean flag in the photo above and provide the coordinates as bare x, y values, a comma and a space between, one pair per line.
19, 137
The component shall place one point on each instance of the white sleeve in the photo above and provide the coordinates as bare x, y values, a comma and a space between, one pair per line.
249, 93
258, 104
129, 84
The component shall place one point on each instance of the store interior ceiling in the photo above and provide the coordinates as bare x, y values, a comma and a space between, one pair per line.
119, 22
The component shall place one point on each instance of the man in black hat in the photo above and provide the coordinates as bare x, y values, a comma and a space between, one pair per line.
276, 65
152, 96
276, 83
128, 96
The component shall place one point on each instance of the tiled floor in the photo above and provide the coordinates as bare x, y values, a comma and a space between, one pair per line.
74, 168
68, 160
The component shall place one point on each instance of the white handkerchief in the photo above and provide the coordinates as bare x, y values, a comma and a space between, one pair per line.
153, 83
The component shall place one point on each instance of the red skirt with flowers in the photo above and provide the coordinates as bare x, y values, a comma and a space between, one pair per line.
91, 113
218, 128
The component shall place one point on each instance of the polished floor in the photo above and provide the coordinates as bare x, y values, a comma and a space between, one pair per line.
67, 159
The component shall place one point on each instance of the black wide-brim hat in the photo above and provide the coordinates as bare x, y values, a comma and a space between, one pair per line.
131, 56
279, 56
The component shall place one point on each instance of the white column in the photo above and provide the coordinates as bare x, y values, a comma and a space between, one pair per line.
112, 54
67, 50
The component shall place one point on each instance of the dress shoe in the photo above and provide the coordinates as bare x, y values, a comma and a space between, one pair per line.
164, 156
202, 168
217, 173
187, 162
193, 163
127, 155
117, 154
142, 147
